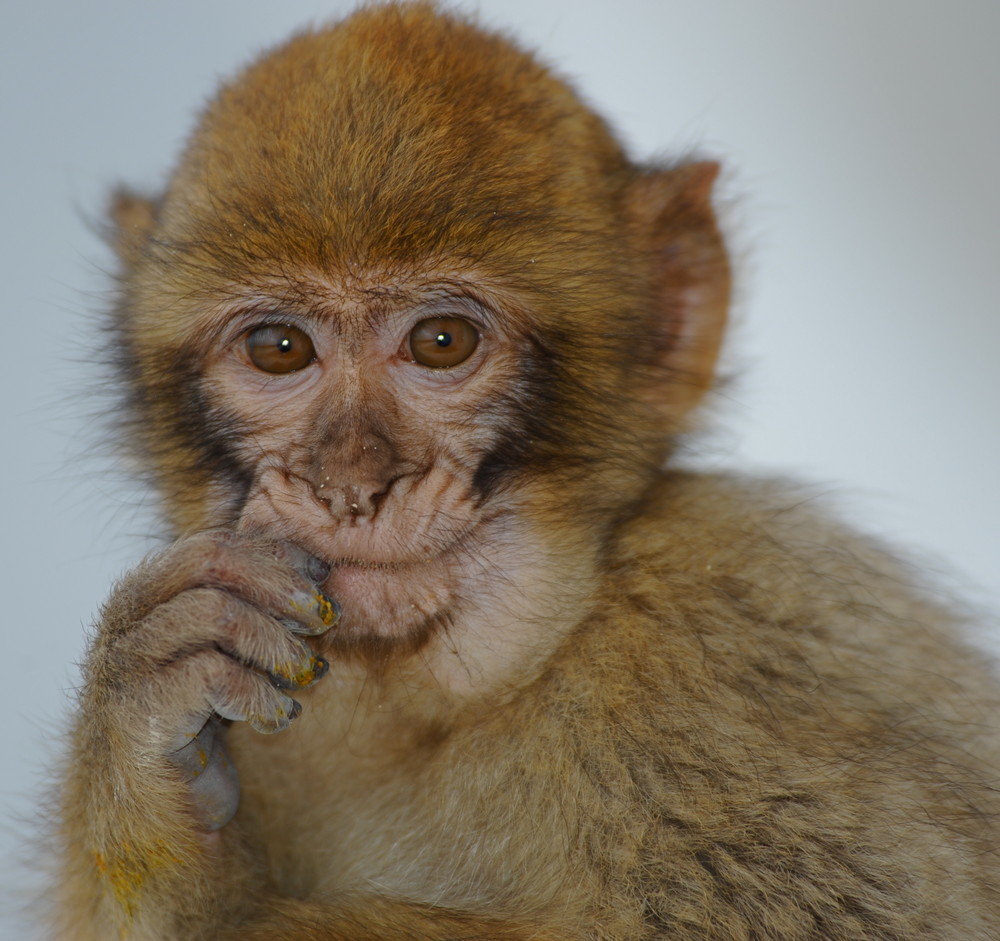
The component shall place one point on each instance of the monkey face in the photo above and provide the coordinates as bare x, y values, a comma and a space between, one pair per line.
397, 425
371, 413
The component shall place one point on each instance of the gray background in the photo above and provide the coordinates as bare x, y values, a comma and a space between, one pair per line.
861, 140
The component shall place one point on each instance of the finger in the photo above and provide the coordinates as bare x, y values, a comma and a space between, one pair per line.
278, 577
210, 618
231, 691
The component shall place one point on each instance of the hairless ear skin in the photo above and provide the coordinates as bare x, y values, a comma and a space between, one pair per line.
690, 277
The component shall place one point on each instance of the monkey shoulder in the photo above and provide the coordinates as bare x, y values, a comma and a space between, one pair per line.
743, 606
780, 548
811, 737
760, 566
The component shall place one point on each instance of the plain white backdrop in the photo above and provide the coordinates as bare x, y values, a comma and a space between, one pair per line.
862, 147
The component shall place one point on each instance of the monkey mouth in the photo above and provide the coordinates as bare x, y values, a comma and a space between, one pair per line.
392, 605
397, 575
372, 564
396, 600
376, 556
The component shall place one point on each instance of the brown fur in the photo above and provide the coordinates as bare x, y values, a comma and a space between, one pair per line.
572, 695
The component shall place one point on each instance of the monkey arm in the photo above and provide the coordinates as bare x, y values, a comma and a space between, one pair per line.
211, 629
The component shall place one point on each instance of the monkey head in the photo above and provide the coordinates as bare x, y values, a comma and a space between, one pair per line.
407, 303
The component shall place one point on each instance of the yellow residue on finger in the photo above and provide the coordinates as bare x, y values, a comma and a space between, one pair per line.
327, 612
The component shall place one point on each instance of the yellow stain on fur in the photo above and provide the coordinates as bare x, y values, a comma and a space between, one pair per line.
127, 871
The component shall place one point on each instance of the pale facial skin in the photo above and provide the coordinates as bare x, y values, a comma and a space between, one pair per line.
369, 412
362, 453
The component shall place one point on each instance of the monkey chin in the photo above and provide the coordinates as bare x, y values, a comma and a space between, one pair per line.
389, 609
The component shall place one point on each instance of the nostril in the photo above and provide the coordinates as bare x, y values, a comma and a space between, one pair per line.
353, 500
378, 498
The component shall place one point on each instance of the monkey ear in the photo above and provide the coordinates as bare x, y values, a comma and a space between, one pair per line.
133, 218
676, 232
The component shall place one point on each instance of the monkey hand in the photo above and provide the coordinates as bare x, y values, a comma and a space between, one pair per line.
207, 632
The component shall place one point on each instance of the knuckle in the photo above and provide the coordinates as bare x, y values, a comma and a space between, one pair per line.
193, 549
220, 609
197, 614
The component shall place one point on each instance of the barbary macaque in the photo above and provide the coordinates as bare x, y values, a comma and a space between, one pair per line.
444, 646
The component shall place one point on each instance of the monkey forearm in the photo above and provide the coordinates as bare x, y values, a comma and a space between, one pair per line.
123, 862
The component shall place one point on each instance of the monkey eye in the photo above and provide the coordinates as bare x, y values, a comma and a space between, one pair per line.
440, 342
279, 348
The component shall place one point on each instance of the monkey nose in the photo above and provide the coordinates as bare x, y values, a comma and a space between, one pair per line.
352, 500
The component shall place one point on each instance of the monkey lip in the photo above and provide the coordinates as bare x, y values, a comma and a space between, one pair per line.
398, 594
399, 560
383, 551
360, 576
375, 564
401, 565
390, 599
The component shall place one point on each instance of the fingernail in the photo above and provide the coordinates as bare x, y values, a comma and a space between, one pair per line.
288, 676
317, 569
321, 668
310, 605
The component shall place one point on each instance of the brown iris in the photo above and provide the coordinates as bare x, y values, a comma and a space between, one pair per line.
279, 348
441, 342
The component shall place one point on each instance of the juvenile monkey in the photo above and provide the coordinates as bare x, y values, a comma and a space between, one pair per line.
405, 345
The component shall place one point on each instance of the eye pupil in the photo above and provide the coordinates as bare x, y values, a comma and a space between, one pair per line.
279, 348
441, 342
